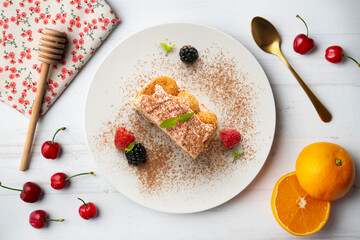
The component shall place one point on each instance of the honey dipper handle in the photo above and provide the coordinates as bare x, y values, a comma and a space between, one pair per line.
34, 116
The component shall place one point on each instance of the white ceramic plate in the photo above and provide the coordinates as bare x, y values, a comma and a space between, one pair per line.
171, 181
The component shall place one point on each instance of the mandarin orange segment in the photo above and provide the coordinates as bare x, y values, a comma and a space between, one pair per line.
168, 84
295, 210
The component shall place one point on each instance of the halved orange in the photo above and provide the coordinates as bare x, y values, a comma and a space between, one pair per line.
295, 210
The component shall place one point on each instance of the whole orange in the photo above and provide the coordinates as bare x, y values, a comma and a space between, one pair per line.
325, 171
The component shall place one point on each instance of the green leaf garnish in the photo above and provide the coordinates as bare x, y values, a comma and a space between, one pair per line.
169, 123
173, 121
236, 154
130, 147
166, 47
185, 117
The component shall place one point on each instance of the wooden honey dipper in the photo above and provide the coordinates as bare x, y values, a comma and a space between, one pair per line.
51, 49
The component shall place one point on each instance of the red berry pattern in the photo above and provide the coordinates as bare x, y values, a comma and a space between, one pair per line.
230, 137
87, 23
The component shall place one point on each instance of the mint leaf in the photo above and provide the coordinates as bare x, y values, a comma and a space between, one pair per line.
166, 47
172, 122
236, 154
130, 147
169, 123
185, 117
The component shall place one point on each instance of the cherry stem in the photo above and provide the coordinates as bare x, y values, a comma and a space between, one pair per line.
11, 188
92, 173
83, 202
352, 59
307, 29
53, 139
54, 220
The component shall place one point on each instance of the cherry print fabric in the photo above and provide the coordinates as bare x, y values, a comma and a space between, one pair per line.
87, 23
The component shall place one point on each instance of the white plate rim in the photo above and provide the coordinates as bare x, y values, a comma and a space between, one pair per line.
268, 85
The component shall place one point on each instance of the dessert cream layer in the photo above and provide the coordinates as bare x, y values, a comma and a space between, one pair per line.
157, 105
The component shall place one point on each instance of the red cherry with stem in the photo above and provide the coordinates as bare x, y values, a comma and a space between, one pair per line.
39, 219
334, 54
302, 43
51, 149
61, 180
31, 192
87, 210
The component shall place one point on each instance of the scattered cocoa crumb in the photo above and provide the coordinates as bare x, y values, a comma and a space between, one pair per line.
221, 85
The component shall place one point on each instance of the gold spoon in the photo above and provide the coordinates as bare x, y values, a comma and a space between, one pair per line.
268, 39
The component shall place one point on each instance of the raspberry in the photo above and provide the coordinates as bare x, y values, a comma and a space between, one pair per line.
230, 137
123, 138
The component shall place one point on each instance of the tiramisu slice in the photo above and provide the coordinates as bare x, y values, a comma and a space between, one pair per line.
162, 99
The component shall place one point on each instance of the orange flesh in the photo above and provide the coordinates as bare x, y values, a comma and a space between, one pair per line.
295, 210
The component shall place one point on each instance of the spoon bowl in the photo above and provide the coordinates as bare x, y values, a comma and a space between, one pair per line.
265, 35
268, 39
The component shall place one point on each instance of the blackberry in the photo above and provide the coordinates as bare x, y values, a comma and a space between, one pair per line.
188, 54
137, 155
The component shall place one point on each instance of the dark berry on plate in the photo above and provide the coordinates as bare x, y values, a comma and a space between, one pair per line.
137, 155
188, 54
123, 138
230, 137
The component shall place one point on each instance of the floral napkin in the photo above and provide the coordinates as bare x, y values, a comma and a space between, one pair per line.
87, 23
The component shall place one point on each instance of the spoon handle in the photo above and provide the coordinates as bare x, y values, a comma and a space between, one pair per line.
324, 114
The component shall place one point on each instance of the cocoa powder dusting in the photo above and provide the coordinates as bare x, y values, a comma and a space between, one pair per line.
220, 84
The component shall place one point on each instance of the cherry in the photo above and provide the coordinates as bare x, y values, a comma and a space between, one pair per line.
302, 43
334, 54
39, 218
31, 192
87, 210
51, 149
61, 180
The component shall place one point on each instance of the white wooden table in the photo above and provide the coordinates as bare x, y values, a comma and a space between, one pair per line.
247, 216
